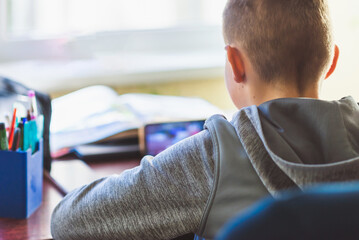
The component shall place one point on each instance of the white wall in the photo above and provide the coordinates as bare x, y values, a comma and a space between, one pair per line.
345, 80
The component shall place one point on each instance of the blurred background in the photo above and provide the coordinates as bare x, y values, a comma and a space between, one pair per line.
172, 47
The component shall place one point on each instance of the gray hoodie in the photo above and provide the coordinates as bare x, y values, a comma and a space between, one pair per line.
201, 182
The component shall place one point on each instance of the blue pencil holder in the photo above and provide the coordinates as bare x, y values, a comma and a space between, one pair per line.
21, 175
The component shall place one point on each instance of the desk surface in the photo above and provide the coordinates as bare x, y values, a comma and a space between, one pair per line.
37, 226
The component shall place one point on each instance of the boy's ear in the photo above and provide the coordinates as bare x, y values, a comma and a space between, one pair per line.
334, 63
235, 59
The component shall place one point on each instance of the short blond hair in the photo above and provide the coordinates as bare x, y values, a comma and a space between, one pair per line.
283, 38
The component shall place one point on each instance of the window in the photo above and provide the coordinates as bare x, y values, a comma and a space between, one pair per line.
34, 18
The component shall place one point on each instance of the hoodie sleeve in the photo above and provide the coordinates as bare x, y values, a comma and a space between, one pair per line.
163, 198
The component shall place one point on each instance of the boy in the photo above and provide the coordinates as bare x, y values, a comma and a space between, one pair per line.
283, 136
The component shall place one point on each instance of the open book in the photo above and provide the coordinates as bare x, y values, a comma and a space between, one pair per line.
98, 113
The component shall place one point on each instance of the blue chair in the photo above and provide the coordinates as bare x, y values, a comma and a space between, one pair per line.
323, 212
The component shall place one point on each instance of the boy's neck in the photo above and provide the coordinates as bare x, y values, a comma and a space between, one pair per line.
267, 92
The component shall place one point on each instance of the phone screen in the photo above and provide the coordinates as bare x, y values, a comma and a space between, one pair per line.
160, 136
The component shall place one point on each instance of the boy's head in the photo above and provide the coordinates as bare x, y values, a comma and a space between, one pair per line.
283, 43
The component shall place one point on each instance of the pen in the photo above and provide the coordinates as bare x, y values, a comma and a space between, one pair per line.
23, 120
3, 138
16, 142
12, 129
21, 135
7, 117
33, 135
26, 136
28, 116
32, 98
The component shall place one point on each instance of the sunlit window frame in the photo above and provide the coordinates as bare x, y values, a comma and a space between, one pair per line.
45, 45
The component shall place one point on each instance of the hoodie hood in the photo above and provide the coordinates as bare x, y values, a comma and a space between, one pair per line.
302, 140
311, 131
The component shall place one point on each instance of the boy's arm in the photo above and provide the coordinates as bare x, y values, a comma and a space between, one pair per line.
163, 198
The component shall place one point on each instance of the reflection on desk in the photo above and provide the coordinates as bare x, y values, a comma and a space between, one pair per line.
37, 226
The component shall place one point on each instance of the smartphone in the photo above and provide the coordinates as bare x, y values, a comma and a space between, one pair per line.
154, 138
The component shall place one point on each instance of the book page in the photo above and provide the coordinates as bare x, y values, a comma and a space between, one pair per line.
151, 108
88, 115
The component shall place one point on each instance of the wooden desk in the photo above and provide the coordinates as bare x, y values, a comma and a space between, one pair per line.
37, 226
